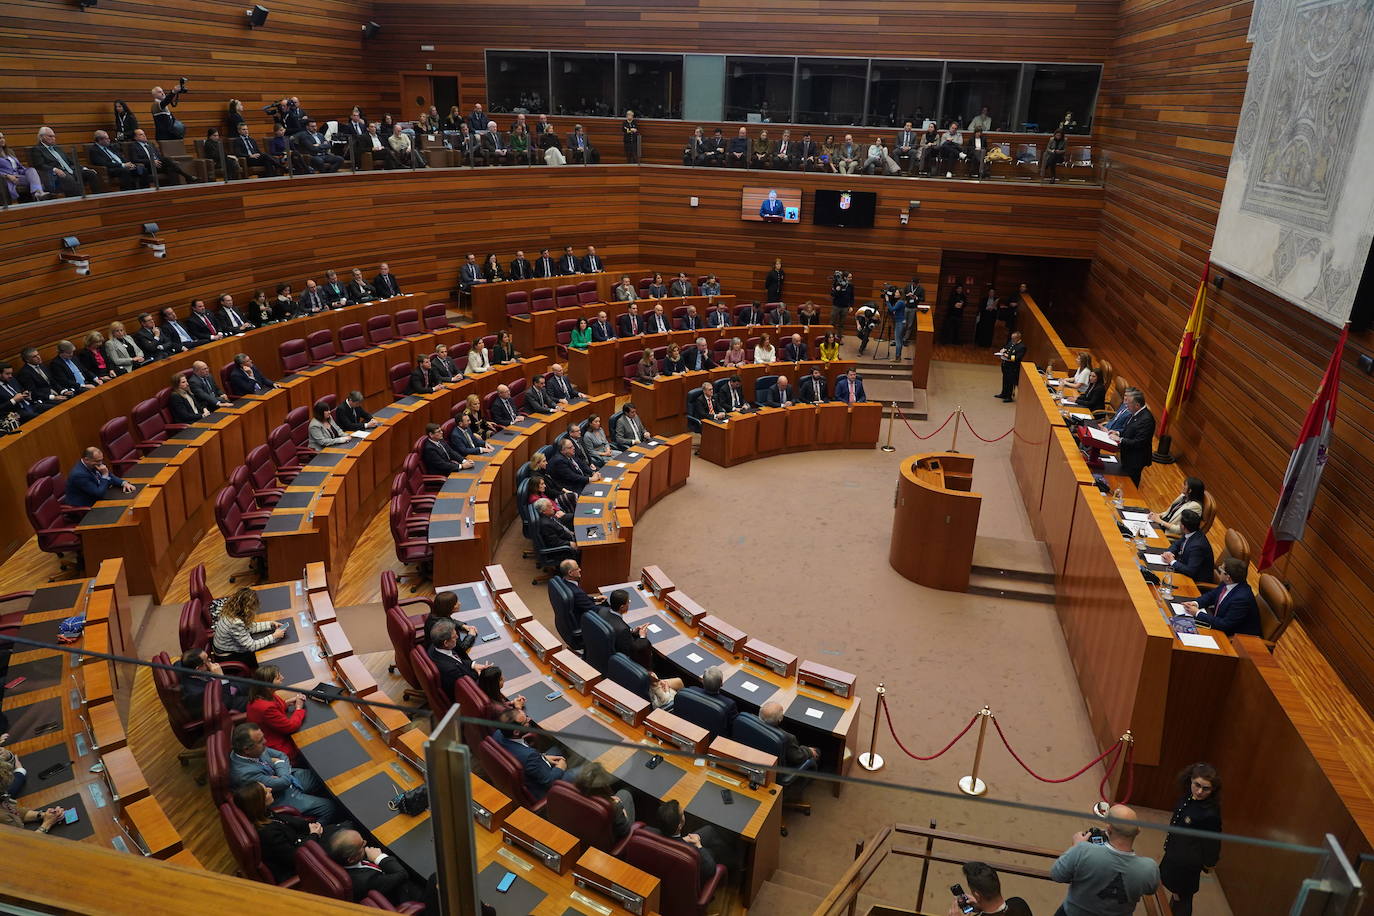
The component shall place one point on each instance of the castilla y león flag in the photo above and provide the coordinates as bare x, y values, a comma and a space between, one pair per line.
1306, 464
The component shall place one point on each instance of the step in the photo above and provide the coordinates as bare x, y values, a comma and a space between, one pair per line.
800, 882
1013, 559
781, 900
1016, 589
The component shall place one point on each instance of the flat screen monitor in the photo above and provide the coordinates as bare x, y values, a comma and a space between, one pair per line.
771, 205
849, 209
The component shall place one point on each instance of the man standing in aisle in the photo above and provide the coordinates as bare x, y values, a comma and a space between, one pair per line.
1103, 872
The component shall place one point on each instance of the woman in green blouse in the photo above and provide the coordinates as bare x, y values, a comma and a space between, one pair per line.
581, 335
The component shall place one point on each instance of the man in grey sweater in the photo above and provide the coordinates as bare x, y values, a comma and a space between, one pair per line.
1105, 878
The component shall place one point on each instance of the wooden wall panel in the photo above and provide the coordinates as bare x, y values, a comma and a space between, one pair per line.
1171, 101
64, 67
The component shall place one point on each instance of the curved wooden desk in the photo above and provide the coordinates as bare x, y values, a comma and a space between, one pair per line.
489, 299
767, 431
935, 522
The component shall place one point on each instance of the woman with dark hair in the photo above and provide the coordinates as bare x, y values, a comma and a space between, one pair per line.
1094, 396
279, 719
491, 680
595, 781
504, 351
278, 834
323, 431
233, 118
581, 334
492, 270
213, 148
284, 306
954, 316
1194, 496
125, 123
182, 404
260, 309
1055, 150
658, 289
1185, 857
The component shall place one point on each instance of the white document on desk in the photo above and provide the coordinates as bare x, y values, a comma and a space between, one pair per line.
1100, 437
359, 434
1198, 641
1130, 516
1155, 559
1178, 608
1140, 529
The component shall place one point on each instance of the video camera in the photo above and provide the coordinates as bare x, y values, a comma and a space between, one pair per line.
1097, 836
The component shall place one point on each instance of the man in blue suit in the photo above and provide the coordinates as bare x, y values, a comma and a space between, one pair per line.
464, 440
541, 770
245, 378
1233, 607
850, 388
90, 480
1191, 555
771, 209
253, 761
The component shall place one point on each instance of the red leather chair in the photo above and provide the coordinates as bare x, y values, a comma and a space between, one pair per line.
401, 632
150, 424
254, 518
217, 765
427, 674
391, 597
435, 316
117, 441
541, 299
563, 329
352, 339
293, 355
224, 378
165, 409
680, 313
298, 419
588, 818
319, 346
197, 585
517, 304
284, 454
262, 476
412, 544
399, 376
676, 865
46, 467
517, 391
567, 296
630, 366
239, 541
429, 483
459, 352
191, 629
407, 322
187, 728
719, 349
318, 874
588, 298
505, 772
643, 286
330, 400
242, 839
472, 704
380, 330
55, 528
421, 504
374, 900
215, 715
589, 286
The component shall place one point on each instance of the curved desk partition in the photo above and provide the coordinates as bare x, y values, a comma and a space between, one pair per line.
935, 522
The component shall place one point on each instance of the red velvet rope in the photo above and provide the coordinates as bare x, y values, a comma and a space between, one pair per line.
913, 430
1129, 772
1092, 763
980, 438
882, 701
1102, 785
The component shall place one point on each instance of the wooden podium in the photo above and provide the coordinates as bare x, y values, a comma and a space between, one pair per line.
935, 523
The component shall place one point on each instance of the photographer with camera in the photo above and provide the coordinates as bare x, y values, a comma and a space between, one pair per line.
1104, 875
896, 304
865, 320
841, 300
165, 124
984, 894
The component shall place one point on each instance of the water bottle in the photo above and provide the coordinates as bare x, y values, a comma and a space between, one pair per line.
1118, 498
1140, 538
1166, 587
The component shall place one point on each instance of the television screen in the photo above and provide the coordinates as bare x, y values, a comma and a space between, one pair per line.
771, 205
849, 209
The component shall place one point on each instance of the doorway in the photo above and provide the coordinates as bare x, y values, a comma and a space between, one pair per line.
421, 90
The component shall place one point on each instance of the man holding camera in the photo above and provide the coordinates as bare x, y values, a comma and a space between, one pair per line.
841, 299
165, 124
1103, 872
984, 894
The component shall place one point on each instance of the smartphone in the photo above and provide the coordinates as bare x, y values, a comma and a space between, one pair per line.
72, 816
15, 682
553, 695
506, 882
727, 796
961, 899
491, 637
654, 761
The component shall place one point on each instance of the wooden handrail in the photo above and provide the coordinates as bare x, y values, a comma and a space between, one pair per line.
857, 874
964, 838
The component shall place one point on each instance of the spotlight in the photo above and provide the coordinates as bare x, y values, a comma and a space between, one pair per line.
370, 30
152, 242
256, 16
70, 254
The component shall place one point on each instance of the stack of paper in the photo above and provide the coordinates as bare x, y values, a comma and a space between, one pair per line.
1198, 641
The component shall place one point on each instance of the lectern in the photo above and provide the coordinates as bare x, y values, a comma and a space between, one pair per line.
935, 522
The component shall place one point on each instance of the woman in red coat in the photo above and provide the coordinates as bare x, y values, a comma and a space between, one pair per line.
279, 719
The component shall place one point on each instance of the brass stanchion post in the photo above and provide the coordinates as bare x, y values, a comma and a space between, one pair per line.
1102, 807
891, 419
873, 761
958, 418
971, 784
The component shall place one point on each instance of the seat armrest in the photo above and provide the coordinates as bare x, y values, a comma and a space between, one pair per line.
708, 890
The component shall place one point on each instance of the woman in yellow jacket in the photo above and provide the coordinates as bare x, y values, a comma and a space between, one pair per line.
830, 349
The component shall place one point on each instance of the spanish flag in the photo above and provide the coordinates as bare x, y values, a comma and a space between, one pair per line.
1185, 363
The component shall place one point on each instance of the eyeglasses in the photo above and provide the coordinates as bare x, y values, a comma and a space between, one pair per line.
1202, 786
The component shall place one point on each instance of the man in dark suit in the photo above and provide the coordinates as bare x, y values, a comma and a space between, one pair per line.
1136, 440
681, 286
36, 381
202, 324
91, 479
537, 397
750, 315
691, 321
707, 407
582, 602
494, 145
464, 439
1011, 355
629, 429
436, 455
370, 869
592, 264
503, 409
54, 166
352, 416
733, 398
552, 530
784, 155
813, 387
315, 150
569, 471
171, 326
245, 378
193, 685
850, 388
477, 119
602, 329
312, 299
246, 148
470, 274
385, 283
630, 641
780, 316
1191, 554
1232, 603
228, 319
335, 292
698, 358
145, 153
448, 649
570, 263
794, 752
66, 372
808, 153
546, 266
671, 823
521, 268
442, 368
780, 395
656, 322
154, 341
359, 290
905, 148
794, 351
421, 377
126, 173
540, 770
13, 397
559, 386
717, 318
204, 389
630, 324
